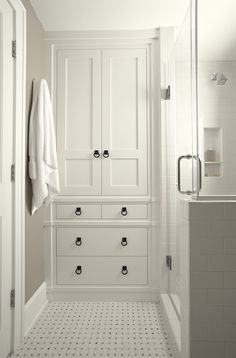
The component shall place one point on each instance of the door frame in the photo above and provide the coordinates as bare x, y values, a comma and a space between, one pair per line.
19, 122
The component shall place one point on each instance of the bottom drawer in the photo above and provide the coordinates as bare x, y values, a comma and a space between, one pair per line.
102, 270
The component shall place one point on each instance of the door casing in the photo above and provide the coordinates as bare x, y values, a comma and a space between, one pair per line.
19, 34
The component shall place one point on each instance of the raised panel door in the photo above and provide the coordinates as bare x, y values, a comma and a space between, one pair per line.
124, 121
79, 121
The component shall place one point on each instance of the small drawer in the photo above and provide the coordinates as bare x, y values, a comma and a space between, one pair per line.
78, 212
102, 270
102, 241
125, 211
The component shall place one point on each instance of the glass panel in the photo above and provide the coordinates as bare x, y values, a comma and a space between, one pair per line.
181, 139
217, 96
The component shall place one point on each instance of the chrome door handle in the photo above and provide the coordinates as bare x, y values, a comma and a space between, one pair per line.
193, 191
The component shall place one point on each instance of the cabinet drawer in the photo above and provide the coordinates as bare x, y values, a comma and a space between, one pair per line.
78, 212
123, 211
102, 270
101, 242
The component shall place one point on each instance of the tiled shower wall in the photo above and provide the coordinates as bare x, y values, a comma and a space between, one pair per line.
217, 108
210, 239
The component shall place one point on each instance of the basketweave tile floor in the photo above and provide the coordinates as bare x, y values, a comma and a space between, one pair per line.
98, 329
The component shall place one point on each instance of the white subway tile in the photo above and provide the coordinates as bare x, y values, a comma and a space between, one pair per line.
222, 297
215, 332
199, 298
203, 349
221, 263
208, 245
206, 280
229, 332
230, 210
206, 211
230, 350
198, 262
230, 245
207, 314
229, 314
198, 331
230, 279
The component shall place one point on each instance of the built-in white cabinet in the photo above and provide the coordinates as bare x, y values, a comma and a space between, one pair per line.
102, 121
99, 237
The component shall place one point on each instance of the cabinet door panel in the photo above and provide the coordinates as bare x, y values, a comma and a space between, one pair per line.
124, 121
79, 121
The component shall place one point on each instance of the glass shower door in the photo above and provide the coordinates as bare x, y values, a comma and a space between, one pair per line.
183, 161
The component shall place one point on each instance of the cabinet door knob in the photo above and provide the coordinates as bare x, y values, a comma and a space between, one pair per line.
124, 241
124, 270
78, 241
96, 154
78, 211
124, 211
106, 153
78, 270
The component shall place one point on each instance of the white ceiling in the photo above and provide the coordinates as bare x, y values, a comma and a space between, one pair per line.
217, 19
74, 15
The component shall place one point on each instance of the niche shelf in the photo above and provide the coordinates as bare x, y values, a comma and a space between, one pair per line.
213, 152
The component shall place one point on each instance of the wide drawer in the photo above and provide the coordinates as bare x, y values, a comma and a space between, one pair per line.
102, 270
78, 212
101, 241
125, 211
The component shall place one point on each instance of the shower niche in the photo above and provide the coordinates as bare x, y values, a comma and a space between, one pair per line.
213, 153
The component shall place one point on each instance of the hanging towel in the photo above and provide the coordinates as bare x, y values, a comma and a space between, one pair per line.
43, 169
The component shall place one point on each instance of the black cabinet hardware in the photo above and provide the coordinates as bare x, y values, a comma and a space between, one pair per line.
78, 211
78, 241
78, 270
124, 270
96, 154
124, 211
124, 241
106, 154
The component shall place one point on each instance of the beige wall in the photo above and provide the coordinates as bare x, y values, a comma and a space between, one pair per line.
34, 268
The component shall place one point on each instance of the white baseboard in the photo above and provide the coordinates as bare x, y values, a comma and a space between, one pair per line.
172, 323
102, 294
34, 307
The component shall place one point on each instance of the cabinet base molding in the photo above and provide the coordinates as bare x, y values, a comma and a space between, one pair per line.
103, 294
34, 307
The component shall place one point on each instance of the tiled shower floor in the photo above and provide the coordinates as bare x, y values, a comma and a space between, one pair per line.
98, 329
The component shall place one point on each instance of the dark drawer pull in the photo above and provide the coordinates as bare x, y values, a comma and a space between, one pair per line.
124, 270
96, 154
124, 241
78, 241
78, 270
78, 211
124, 211
106, 154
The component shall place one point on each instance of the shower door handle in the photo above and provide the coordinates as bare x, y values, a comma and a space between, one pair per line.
199, 184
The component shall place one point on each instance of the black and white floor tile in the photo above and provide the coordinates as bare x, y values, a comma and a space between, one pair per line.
98, 329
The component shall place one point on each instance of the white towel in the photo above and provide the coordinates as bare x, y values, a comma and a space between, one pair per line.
43, 169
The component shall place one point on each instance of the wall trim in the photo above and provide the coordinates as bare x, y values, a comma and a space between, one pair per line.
18, 259
102, 34
34, 307
103, 294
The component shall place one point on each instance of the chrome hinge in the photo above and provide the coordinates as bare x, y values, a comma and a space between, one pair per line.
12, 298
167, 94
13, 172
169, 262
13, 51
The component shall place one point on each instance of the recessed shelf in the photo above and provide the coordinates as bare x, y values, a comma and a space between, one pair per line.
213, 153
